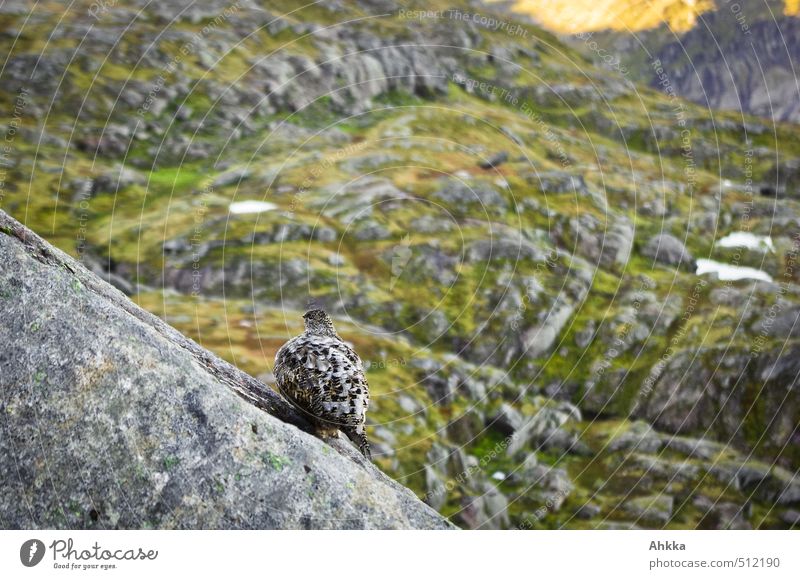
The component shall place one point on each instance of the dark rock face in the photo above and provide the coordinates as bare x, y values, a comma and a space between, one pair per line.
112, 419
738, 57
708, 79
760, 413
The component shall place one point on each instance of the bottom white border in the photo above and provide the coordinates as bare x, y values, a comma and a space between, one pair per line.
354, 554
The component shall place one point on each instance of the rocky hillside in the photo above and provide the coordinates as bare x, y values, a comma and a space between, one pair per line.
577, 298
112, 419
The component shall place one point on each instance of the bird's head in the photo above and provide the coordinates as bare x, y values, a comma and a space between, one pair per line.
318, 322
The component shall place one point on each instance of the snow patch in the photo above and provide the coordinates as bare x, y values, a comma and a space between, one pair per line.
747, 240
242, 207
730, 272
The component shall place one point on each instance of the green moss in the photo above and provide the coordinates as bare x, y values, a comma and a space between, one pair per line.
181, 179
170, 462
274, 461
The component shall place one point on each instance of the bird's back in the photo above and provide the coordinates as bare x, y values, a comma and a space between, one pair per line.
324, 377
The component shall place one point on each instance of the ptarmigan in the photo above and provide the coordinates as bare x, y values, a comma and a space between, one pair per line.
324, 378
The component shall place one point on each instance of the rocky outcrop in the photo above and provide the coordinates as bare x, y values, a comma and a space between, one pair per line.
737, 57
113, 419
750, 70
748, 401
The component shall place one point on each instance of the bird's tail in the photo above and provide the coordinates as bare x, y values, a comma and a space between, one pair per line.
359, 438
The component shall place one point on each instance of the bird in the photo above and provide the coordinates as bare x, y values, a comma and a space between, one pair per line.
324, 378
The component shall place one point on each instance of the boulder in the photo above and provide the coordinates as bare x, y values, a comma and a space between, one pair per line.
504, 248
588, 511
486, 511
669, 250
639, 437
547, 485
506, 420
559, 182
231, 177
460, 197
494, 161
466, 428
721, 515
656, 510
116, 180
606, 243
791, 518
540, 339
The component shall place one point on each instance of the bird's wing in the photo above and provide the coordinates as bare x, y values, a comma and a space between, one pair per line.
323, 377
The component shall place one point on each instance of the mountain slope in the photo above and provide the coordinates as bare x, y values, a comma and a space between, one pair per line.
509, 236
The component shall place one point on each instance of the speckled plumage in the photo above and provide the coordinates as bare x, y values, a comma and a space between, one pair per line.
324, 378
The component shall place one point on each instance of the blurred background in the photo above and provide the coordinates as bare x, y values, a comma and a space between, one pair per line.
562, 236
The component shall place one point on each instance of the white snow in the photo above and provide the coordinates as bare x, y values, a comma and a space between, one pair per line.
746, 240
730, 272
240, 207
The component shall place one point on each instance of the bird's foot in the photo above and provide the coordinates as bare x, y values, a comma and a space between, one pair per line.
326, 433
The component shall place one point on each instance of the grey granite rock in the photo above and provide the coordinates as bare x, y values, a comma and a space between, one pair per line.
669, 250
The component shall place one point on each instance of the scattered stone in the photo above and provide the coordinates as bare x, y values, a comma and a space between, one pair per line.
507, 420
231, 177
674, 470
693, 447
486, 511
669, 250
721, 515
640, 437
466, 428
656, 509
494, 161
791, 518
588, 511
559, 182
461, 196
